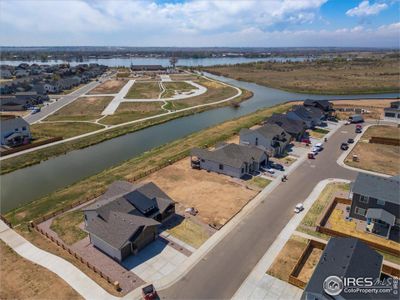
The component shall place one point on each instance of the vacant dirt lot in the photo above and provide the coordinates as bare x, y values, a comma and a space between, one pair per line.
377, 157
109, 87
22, 279
217, 197
82, 109
374, 106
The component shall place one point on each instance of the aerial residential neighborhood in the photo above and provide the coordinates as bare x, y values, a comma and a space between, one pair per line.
199, 150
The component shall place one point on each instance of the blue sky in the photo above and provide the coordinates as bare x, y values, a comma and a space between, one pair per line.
263, 23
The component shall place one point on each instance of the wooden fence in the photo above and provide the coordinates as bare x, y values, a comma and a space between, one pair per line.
384, 141
29, 146
293, 276
77, 257
321, 222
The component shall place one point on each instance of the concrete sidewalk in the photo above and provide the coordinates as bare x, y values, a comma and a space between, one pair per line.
79, 281
258, 284
113, 105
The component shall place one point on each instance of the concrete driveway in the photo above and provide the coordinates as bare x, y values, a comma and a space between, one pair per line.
155, 261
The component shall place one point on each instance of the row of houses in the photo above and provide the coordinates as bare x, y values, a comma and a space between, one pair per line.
21, 93
53, 79
256, 146
376, 203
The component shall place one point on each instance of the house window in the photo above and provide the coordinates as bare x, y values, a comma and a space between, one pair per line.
16, 129
256, 141
380, 202
360, 211
23, 128
202, 160
242, 170
363, 199
390, 115
221, 166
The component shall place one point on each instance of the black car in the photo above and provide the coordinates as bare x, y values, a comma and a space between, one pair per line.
344, 146
350, 141
278, 167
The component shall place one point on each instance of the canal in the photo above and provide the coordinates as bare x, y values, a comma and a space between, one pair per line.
28, 184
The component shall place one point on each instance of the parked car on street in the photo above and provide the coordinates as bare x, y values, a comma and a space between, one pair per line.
344, 146
276, 166
270, 171
319, 146
350, 141
358, 130
149, 292
311, 155
299, 207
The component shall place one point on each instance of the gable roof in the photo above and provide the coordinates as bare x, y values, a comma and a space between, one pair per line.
268, 131
119, 227
289, 125
230, 154
325, 104
382, 188
347, 257
125, 197
10, 124
307, 113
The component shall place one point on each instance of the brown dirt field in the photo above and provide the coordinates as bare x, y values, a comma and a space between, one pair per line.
183, 77
377, 157
287, 258
109, 87
22, 279
193, 188
375, 106
82, 109
311, 262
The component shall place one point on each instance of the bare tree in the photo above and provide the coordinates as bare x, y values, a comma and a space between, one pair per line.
173, 60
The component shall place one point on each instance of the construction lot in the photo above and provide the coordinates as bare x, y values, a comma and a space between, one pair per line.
22, 279
217, 197
376, 157
111, 86
373, 108
82, 109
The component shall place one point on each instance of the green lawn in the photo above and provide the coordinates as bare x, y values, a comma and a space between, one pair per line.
172, 87
65, 130
260, 182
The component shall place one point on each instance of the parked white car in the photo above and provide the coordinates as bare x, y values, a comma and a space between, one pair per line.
299, 207
319, 146
270, 171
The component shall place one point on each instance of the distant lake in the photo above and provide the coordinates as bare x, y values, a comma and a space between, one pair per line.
126, 62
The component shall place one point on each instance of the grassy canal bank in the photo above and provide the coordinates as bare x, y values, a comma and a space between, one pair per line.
336, 76
95, 185
35, 157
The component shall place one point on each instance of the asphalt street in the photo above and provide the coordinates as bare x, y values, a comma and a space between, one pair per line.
226, 266
50, 109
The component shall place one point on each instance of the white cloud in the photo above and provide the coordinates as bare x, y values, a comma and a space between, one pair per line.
194, 23
365, 9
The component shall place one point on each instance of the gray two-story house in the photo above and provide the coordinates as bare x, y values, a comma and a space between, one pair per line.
270, 137
14, 132
392, 113
376, 199
127, 217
